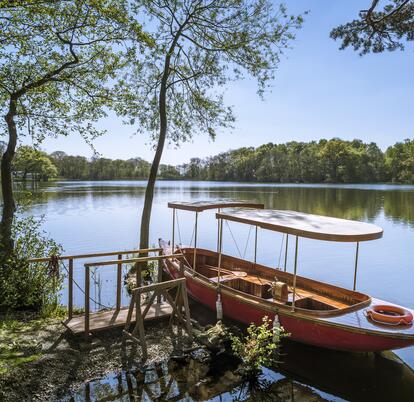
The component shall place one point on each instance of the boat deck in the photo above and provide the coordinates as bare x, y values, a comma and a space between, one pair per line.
357, 319
104, 320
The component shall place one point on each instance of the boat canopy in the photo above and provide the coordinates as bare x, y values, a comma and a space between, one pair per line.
305, 225
199, 206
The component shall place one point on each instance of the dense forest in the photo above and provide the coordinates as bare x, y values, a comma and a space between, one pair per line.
324, 161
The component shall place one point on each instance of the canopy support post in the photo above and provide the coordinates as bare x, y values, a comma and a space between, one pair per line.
195, 242
255, 245
218, 231
173, 233
356, 264
294, 274
286, 251
220, 248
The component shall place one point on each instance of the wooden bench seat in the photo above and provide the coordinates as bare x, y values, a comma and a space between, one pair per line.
301, 293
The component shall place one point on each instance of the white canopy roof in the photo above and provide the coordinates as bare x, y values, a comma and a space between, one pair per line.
305, 225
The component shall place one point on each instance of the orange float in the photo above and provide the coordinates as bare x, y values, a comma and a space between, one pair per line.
390, 315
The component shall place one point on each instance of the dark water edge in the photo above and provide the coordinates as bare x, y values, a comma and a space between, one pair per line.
303, 376
306, 373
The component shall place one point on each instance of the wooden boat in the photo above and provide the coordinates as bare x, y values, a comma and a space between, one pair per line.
313, 312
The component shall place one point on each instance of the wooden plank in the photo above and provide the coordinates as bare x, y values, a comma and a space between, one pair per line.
87, 307
131, 260
93, 255
118, 283
70, 289
159, 286
111, 319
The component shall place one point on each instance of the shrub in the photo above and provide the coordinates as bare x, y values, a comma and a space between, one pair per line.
30, 286
260, 347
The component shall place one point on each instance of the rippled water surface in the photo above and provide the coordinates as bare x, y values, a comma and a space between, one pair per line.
103, 216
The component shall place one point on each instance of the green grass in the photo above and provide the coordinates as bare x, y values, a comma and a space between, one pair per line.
19, 342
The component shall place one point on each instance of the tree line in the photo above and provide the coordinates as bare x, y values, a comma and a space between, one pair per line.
323, 161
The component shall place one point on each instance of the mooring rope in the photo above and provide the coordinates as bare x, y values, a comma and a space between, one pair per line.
281, 248
179, 232
247, 242
178, 226
234, 240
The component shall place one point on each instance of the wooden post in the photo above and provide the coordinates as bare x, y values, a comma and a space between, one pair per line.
356, 264
181, 269
118, 283
184, 296
294, 273
218, 231
255, 246
286, 251
159, 276
138, 284
70, 290
87, 278
130, 311
195, 242
220, 252
173, 233
139, 326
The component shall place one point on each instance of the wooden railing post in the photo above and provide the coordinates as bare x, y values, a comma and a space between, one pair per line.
181, 269
70, 290
159, 276
87, 278
118, 284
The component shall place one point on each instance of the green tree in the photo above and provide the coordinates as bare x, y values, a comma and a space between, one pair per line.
29, 160
200, 46
378, 30
399, 161
56, 59
168, 172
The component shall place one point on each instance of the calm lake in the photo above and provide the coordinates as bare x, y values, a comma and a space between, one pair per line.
87, 217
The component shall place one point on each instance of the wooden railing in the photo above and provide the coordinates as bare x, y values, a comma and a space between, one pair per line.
136, 261
118, 262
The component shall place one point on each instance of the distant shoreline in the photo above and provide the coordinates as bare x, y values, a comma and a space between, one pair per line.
225, 181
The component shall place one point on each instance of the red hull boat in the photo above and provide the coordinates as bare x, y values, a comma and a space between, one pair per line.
313, 312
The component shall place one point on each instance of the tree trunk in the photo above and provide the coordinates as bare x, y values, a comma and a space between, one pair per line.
6, 241
149, 191
162, 108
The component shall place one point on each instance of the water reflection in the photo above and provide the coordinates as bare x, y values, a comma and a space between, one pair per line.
193, 381
307, 374
357, 202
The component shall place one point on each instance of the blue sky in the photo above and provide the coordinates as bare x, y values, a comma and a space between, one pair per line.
319, 92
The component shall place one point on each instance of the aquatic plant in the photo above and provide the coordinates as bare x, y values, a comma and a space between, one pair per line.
260, 347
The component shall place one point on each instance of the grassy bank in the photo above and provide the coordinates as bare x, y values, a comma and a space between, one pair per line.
40, 361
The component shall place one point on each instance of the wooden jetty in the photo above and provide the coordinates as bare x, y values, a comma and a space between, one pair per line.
156, 308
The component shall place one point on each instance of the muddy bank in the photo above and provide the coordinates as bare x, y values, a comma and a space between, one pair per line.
58, 362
